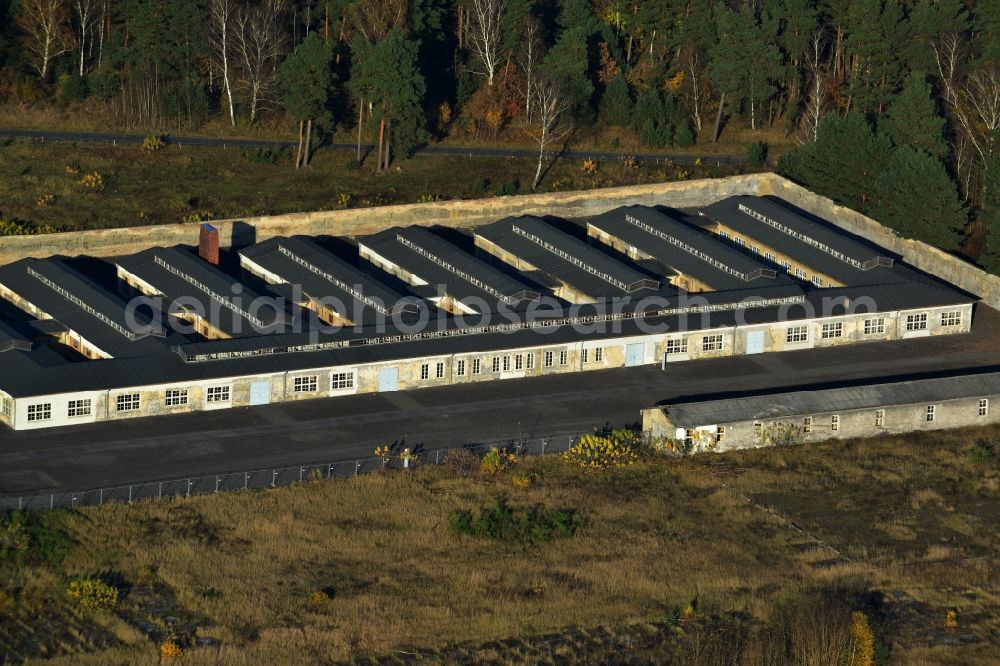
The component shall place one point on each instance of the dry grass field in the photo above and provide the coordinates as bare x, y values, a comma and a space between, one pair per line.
755, 557
70, 186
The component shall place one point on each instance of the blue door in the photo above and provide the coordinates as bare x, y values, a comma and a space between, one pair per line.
388, 379
755, 342
260, 393
634, 354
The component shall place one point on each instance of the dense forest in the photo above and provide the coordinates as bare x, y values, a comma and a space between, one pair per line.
892, 106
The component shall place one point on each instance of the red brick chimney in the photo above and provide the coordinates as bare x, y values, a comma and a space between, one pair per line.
208, 244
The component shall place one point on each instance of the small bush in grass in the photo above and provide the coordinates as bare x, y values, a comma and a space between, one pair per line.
480, 185
757, 153
271, 155
604, 450
153, 142
93, 182
461, 462
863, 649
495, 462
92, 593
344, 200
522, 481
319, 601
171, 650
980, 454
500, 522
509, 188
33, 538
352, 164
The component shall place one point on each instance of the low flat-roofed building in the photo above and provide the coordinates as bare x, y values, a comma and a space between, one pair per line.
78, 312
215, 304
701, 261
806, 249
964, 398
586, 274
462, 283
340, 293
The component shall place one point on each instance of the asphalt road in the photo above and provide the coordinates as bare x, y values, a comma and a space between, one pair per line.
347, 428
426, 150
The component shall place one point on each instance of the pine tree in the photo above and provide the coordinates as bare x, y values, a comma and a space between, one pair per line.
916, 197
928, 20
913, 118
986, 24
568, 62
873, 28
990, 260
307, 83
843, 162
388, 75
616, 104
746, 61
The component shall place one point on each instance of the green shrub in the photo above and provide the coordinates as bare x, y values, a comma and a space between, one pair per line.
153, 142
509, 188
352, 164
71, 88
480, 186
980, 453
757, 153
266, 155
92, 593
33, 538
500, 522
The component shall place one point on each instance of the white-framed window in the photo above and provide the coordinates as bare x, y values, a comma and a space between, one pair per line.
460, 367
758, 429
879, 418
549, 356
218, 393
175, 397
677, 346
951, 318
563, 357
739, 242
439, 370
797, 334
341, 380
800, 274
875, 326
723, 233
984, 407
931, 413
519, 361
769, 257
916, 322
711, 343
755, 249
835, 422
785, 266
425, 371
598, 354
305, 384
817, 280
688, 437
77, 408
721, 434
506, 363
477, 366
531, 360
40, 412
807, 424
127, 402
496, 364
5, 406
584, 355
835, 330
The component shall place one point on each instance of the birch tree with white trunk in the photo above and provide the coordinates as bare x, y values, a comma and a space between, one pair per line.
531, 54
817, 104
221, 14
483, 36
258, 41
86, 14
45, 25
551, 122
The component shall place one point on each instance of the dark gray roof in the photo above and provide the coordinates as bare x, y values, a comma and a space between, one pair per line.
841, 399
440, 263
324, 276
683, 248
816, 245
11, 339
565, 257
80, 305
185, 280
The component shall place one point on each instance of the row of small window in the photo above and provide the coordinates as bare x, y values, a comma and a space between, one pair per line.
310, 383
771, 259
930, 416
506, 362
876, 326
708, 343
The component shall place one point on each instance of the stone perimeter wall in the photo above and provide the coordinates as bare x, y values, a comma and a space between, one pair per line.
361, 221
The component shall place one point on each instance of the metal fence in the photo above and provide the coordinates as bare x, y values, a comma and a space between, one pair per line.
272, 477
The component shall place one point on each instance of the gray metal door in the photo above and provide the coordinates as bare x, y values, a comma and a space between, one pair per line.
755, 342
634, 354
260, 393
388, 379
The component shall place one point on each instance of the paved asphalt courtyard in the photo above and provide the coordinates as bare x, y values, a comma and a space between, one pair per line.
347, 428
